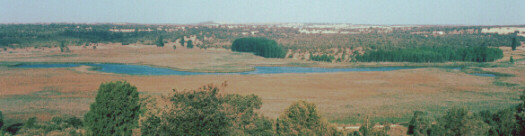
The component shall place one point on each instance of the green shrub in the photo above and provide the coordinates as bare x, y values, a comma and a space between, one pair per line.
420, 124
302, 118
115, 111
205, 111
460, 122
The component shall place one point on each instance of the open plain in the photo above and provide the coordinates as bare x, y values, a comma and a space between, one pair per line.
342, 97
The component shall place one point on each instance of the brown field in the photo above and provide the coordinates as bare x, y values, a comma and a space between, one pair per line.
341, 97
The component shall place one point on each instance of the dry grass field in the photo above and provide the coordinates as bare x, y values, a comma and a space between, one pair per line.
343, 98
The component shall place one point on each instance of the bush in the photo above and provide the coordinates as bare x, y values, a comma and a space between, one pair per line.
460, 122
302, 118
1, 120
420, 124
115, 111
204, 111
259, 46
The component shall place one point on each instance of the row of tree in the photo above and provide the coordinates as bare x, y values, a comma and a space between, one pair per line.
432, 54
259, 46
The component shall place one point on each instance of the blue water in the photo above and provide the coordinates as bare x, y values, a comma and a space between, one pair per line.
148, 70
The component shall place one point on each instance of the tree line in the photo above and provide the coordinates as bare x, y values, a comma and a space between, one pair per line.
432, 54
259, 46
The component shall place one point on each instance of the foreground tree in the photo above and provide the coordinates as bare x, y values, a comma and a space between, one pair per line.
420, 124
1, 121
520, 115
460, 122
115, 111
205, 111
302, 118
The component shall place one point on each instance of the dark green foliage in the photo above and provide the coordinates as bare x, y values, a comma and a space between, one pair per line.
1, 121
30, 123
190, 44
502, 123
324, 57
420, 124
434, 54
159, 42
174, 47
511, 60
205, 112
302, 118
514, 43
182, 41
259, 46
194, 112
520, 115
460, 122
115, 111
14, 128
63, 47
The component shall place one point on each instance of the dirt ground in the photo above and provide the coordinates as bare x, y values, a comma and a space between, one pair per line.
343, 97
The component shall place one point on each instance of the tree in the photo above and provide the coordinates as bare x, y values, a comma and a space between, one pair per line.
511, 60
193, 112
190, 44
420, 124
63, 47
174, 47
520, 115
502, 123
159, 42
460, 122
182, 41
302, 118
115, 110
514, 43
1, 121
259, 46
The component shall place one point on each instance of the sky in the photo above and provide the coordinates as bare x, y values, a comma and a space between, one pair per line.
388, 12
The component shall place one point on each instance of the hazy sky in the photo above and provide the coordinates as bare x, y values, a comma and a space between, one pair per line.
468, 12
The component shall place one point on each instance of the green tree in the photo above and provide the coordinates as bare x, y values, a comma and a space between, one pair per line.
302, 118
420, 124
194, 112
511, 60
259, 46
514, 43
160, 42
190, 44
115, 110
63, 47
520, 115
182, 41
502, 123
460, 122
1, 121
